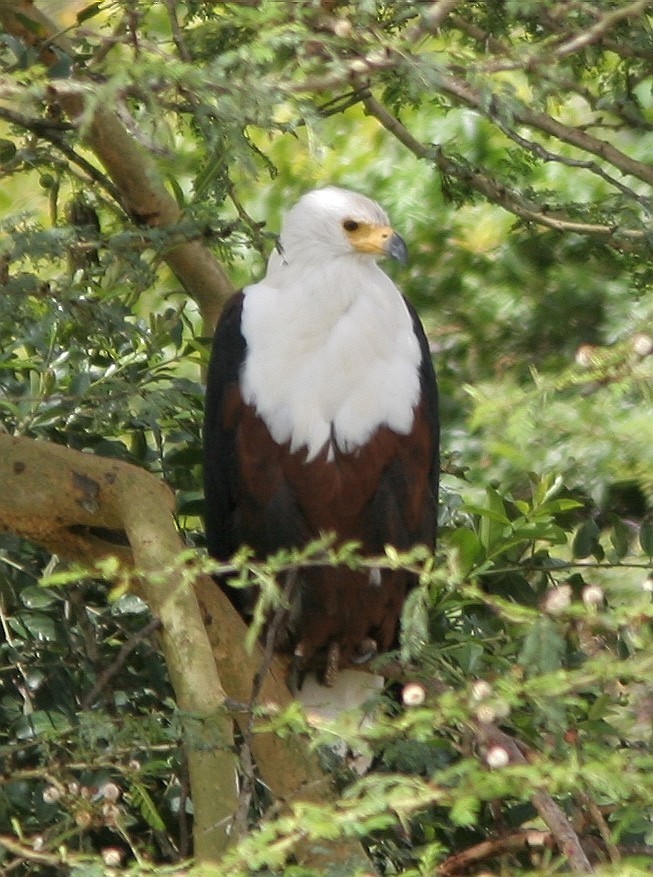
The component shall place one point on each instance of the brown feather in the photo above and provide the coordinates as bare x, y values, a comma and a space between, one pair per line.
345, 496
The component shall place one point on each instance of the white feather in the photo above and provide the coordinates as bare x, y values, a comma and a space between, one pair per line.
331, 351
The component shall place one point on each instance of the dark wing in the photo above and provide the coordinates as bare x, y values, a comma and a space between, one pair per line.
431, 413
221, 478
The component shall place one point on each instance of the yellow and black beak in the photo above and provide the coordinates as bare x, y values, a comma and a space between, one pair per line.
379, 240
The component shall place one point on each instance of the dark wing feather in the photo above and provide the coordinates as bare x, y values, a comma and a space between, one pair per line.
430, 404
220, 457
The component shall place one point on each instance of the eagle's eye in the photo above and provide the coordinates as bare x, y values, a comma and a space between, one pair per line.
350, 225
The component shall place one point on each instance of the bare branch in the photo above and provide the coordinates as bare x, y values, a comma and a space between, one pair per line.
541, 121
597, 31
496, 192
554, 817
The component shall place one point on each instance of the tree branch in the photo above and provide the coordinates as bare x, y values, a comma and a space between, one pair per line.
494, 191
75, 504
69, 502
464, 92
141, 189
566, 839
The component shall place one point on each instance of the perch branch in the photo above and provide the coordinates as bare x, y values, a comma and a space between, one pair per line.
70, 503
78, 505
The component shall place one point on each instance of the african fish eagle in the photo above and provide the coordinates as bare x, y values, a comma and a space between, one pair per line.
322, 417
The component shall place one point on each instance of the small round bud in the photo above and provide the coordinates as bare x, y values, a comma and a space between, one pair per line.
593, 595
586, 355
374, 59
110, 813
358, 66
110, 792
342, 28
112, 857
481, 690
83, 818
134, 764
485, 713
51, 794
413, 694
73, 788
557, 600
497, 756
38, 842
642, 344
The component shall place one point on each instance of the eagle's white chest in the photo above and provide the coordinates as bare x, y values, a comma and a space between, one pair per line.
330, 356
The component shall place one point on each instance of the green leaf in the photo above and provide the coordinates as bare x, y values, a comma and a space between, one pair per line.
141, 798
41, 723
586, 540
620, 538
468, 548
34, 625
34, 597
543, 648
646, 537
465, 810
493, 520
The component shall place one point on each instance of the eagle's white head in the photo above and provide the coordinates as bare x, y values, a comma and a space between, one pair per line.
331, 350
331, 222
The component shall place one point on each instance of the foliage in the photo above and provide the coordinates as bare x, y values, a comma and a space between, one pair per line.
511, 143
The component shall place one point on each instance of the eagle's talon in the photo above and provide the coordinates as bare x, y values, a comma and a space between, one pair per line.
297, 671
332, 665
366, 650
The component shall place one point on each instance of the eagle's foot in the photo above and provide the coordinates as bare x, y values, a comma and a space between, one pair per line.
297, 670
365, 651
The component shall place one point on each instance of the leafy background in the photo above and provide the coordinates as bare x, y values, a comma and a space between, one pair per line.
542, 341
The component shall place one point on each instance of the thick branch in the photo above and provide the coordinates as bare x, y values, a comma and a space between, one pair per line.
141, 189
74, 504
78, 506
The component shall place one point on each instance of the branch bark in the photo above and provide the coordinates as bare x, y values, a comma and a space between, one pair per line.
497, 193
553, 816
141, 189
78, 505
74, 504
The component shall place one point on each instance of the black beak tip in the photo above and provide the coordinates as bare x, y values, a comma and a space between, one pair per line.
397, 249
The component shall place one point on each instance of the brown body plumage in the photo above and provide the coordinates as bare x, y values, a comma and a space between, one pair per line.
281, 473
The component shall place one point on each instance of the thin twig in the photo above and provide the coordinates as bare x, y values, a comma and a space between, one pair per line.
53, 133
125, 651
595, 33
599, 820
497, 192
565, 837
491, 849
246, 757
